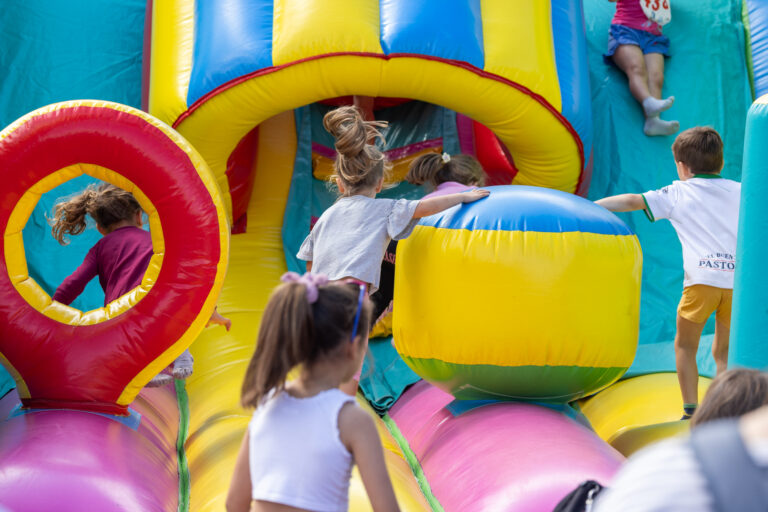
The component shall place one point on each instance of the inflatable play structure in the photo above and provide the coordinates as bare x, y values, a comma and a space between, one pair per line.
513, 371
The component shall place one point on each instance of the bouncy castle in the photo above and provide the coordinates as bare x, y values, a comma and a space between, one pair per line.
530, 345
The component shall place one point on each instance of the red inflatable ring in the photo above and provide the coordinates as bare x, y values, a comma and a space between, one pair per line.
99, 360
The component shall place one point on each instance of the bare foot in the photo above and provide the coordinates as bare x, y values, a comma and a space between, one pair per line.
217, 319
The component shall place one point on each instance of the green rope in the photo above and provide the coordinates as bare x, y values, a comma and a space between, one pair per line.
182, 399
413, 462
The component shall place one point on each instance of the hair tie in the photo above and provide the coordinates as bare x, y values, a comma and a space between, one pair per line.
446, 158
310, 282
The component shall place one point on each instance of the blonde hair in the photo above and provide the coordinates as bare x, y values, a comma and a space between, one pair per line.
359, 165
432, 169
106, 203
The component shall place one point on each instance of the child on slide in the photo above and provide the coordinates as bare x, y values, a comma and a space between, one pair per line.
120, 258
305, 435
704, 210
637, 47
445, 174
349, 239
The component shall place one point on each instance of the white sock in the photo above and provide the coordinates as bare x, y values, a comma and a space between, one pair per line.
182, 366
161, 379
655, 126
654, 106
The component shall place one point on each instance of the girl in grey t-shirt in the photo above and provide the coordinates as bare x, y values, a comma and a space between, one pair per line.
350, 238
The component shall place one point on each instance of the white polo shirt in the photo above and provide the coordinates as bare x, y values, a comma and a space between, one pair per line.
704, 210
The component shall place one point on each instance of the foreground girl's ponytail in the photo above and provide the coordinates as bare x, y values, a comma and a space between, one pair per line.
304, 321
285, 337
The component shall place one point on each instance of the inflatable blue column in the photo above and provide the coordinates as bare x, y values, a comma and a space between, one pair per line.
749, 329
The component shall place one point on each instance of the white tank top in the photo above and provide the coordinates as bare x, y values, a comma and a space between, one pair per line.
295, 454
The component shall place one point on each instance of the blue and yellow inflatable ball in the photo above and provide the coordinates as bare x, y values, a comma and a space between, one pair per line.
530, 293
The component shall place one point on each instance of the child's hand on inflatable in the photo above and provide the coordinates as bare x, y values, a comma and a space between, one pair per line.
217, 319
474, 195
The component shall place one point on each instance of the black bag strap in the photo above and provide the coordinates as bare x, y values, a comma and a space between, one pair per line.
580, 499
736, 482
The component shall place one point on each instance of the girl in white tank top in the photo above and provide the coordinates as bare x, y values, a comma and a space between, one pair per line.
306, 434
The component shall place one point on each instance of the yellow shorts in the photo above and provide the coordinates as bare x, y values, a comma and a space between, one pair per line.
699, 301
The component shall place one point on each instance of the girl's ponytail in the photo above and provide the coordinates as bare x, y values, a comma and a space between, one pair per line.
106, 203
435, 169
295, 331
359, 164
69, 216
285, 337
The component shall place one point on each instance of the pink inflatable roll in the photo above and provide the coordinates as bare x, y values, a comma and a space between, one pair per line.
74, 461
501, 457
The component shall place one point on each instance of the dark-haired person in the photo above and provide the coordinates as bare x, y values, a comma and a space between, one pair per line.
732, 394
703, 207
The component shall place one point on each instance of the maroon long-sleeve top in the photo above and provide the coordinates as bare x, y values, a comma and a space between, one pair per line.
119, 259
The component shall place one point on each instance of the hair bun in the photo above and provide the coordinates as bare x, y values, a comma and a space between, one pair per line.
356, 156
351, 131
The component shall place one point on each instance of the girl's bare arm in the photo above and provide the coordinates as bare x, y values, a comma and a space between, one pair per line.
437, 204
358, 433
239, 495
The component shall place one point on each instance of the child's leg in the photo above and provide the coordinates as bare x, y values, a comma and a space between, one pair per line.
654, 64
722, 332
720, 346
630, 59
686, 345
182, 366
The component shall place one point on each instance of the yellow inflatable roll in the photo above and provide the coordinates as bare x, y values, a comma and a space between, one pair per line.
638, 411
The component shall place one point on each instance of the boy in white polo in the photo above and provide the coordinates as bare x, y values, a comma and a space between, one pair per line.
704, 210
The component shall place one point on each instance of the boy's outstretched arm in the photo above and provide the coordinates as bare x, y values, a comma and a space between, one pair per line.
622, 203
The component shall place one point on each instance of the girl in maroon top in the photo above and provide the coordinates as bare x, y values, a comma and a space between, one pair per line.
120, 258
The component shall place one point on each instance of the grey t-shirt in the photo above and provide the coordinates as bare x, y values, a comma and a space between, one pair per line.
350, 238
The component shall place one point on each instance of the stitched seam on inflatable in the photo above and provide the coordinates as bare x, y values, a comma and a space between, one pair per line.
182, 400
413, 462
